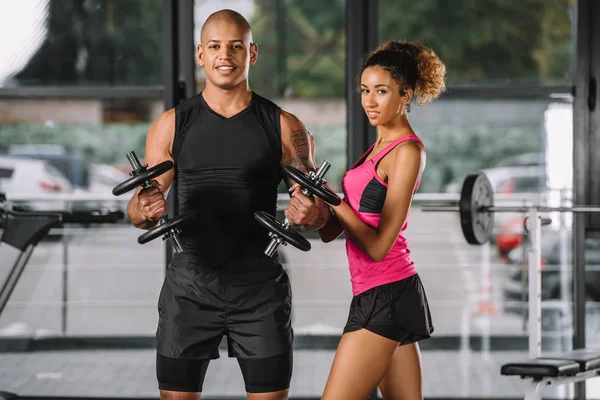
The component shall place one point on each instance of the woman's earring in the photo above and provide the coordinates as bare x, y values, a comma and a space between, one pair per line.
407, 107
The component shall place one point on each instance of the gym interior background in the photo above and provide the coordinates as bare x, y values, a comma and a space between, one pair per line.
82, 80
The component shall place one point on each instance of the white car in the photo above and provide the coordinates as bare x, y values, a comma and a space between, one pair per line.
27, 176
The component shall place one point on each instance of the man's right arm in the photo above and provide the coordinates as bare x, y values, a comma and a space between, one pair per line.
148, 205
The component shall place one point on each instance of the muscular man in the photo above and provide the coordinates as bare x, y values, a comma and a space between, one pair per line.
228, 145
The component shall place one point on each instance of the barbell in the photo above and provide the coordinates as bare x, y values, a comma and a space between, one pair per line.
476, 208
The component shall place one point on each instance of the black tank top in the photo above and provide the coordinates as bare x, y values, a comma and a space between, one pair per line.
227, 168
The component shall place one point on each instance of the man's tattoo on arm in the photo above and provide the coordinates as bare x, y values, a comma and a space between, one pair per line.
301, 153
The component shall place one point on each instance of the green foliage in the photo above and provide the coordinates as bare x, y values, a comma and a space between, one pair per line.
99, 42
302, 48
462, 149
302, 43
302, 53
459, 149
454, 150
488, 41
102, 143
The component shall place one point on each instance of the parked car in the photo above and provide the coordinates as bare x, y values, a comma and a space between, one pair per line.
19, 175
83, 176
71, 163
102, 179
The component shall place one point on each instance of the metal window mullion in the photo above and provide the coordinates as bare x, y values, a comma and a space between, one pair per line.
361, 29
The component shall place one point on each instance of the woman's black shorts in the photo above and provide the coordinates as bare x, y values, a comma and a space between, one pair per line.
398, 311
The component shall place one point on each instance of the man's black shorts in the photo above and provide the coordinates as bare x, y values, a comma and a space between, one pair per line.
249, 302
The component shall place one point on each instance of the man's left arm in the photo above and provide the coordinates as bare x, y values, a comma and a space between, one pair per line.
298, 151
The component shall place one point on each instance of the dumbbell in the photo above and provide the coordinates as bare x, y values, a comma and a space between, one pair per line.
142, 176
312, 184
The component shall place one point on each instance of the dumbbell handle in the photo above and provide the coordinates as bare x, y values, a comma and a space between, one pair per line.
322, 170
176, 243
172, 236
134, 161
273, 245
317, 176
137, 166
275, 242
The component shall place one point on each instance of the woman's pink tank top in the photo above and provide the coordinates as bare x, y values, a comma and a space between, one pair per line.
365, 192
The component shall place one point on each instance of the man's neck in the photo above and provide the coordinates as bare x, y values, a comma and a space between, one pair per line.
227, 100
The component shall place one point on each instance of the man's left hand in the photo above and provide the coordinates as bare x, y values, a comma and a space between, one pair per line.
309, 214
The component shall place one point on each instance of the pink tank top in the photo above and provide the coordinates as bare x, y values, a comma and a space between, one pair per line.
365, 192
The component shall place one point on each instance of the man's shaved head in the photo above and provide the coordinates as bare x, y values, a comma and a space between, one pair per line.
227, 16
226, 50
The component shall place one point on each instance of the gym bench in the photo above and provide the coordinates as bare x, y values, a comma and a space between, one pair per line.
476, 209
555, 370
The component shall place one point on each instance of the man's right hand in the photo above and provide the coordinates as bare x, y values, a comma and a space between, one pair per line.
151, 202
148, 205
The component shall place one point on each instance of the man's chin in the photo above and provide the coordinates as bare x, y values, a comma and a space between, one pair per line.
227, 84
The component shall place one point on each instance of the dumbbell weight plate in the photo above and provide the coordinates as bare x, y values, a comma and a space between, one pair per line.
318, 190
288, 235
476, 223
165, 227
138, 179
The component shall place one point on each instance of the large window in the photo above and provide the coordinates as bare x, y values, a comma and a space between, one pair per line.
486, 42
83, 42
507, 112
81, 82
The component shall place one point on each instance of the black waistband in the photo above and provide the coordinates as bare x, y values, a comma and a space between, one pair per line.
197, 260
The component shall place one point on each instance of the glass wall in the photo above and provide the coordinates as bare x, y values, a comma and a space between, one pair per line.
80, 85
507, 112
81, 82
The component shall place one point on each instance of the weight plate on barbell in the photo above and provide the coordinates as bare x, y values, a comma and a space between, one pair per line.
304, 180
476, 222
139, 178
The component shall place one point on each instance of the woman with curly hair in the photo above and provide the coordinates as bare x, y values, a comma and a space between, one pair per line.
389, 312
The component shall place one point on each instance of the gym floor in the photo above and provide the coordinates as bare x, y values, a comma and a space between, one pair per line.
130, 373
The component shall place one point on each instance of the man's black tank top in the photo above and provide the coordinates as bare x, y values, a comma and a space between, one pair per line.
227, 168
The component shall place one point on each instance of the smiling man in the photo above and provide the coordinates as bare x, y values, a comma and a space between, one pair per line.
228, 145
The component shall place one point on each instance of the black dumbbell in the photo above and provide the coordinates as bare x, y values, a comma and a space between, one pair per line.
312, 184
142, 176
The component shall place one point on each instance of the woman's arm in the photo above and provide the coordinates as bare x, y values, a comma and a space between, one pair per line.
332, 229
403, 167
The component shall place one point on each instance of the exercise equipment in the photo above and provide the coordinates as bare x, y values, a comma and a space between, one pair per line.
555, 369
476, 209
169, 229
23, 229
313, 184
140, 175
559, 368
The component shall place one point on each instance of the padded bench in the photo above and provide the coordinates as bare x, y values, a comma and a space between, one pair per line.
556, 369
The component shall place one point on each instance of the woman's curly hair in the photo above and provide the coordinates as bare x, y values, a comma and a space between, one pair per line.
411, 64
